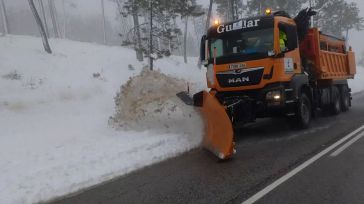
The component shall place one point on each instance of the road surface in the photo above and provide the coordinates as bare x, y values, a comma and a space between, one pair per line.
273, 164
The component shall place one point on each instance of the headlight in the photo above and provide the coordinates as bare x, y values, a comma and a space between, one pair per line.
210, 74
274, 95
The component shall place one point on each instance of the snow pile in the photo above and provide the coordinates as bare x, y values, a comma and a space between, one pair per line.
148, 102
55, 136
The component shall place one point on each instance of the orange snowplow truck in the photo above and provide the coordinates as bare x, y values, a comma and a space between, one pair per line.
270, 66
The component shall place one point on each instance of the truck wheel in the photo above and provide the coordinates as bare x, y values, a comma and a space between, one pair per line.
336, 102
345, 99
303, 112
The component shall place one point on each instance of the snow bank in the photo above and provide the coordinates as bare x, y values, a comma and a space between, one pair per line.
55, 136
148, 102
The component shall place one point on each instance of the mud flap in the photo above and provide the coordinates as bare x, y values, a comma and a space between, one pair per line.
219, 131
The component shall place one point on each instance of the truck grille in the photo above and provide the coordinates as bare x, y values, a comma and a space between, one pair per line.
243, 77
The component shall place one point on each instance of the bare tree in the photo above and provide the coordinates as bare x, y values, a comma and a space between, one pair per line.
42, 10
208, 20
40, 26
4, 17
185, 40
53, 12
151, 36
64, 19
139, 48
103, 20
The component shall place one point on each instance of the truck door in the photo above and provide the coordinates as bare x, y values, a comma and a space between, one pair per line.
288, 45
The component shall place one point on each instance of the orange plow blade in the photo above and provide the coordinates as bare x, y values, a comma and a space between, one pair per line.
219, 132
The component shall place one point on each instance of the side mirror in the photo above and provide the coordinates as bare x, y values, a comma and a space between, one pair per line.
203, 49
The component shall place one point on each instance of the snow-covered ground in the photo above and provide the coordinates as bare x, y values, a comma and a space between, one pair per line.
55, 110
54, 131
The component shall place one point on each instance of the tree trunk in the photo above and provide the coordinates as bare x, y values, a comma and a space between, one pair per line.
208, 20
53, 12
4, 17
103, 21
138, 43
179, 41
40, 26
151, 35
64, 19
231, 10
41, 6
185, 40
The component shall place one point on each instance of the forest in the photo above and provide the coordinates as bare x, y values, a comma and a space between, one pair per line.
158, 28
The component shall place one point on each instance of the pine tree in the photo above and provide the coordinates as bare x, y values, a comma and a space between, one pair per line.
229, 10
135, 8
337, 17
164, 32
291, 7
186, 9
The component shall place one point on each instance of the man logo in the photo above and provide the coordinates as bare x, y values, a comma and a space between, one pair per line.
239, 80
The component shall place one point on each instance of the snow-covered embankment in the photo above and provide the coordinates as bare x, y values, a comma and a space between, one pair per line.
55, 136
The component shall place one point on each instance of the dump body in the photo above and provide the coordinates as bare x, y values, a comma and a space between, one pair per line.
327, 56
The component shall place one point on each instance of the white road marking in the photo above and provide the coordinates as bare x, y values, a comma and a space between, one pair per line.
289, 175
346, 145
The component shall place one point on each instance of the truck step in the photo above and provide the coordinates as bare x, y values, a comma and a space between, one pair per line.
290, 114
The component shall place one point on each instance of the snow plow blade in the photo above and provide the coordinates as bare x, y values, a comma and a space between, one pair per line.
219, 132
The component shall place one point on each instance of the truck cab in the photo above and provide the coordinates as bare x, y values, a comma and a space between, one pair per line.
256, 68
246, 54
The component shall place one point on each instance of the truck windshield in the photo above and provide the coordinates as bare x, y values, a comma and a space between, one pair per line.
258, 42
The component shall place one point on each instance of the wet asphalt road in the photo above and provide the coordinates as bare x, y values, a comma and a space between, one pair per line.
266, 151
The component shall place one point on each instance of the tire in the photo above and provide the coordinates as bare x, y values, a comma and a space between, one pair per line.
345, 99
303, 112
335, 106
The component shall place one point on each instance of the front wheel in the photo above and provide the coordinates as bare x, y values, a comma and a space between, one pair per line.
303, 112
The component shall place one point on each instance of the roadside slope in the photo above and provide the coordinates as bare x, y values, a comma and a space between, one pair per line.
55, 136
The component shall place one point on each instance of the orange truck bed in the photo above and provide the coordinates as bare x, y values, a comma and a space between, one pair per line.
328, 56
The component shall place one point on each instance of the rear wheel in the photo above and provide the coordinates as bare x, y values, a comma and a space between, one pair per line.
303, 112
345, 99
335, 105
